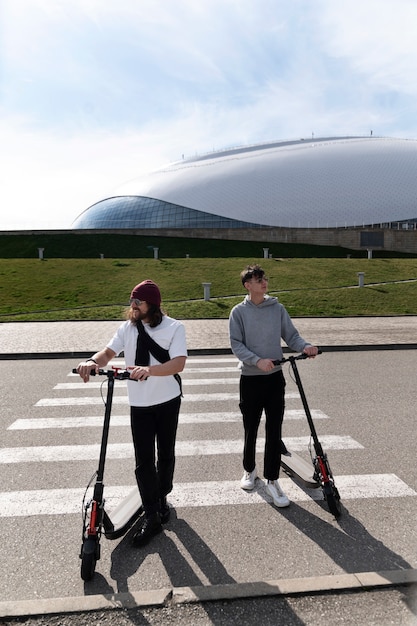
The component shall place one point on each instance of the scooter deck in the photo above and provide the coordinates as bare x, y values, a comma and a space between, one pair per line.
124, 515
298, 467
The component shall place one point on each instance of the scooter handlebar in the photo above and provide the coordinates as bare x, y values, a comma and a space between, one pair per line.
115, 373
298, 357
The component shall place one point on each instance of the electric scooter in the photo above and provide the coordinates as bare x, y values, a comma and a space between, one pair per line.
96, 520
319, 473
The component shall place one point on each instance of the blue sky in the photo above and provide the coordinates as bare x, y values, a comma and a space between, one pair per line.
94, 93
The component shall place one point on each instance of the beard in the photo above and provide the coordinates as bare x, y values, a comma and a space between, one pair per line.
141, 316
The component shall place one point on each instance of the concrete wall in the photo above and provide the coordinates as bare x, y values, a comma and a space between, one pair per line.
394, 240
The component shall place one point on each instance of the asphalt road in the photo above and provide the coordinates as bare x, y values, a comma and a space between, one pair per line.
219, 536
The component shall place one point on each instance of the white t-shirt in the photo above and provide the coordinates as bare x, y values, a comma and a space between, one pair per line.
170, 335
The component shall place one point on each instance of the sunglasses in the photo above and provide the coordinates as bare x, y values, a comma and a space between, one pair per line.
136, 301
257, 279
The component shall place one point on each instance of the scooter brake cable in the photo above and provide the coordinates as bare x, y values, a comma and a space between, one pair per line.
103, 382
86, 489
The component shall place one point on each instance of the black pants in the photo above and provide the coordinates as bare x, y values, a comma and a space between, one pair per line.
149, 424
258, 393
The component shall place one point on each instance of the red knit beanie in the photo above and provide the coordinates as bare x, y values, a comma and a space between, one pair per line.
148, 291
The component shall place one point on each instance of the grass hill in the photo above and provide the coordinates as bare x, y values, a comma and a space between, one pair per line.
98, 289
90, 276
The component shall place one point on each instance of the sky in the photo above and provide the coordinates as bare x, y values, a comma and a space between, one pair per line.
94, 93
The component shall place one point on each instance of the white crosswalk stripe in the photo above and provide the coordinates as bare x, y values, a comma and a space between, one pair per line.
195, 360
94, 400
215, 493
124, 420
192, 382
46, 454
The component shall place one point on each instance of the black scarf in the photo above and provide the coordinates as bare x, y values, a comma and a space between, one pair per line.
146, 346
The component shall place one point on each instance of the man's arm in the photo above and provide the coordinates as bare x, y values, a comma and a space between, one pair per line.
169, 368
237, 342
95, 362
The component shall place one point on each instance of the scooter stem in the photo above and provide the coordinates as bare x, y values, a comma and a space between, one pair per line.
106, 428
317, 445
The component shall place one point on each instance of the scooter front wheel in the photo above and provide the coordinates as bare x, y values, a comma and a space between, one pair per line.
89, 557
332, 497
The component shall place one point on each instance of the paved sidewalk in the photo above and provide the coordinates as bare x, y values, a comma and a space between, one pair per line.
21, 339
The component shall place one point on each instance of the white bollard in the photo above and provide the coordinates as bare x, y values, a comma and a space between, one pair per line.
40, 252
361, 278
206, 290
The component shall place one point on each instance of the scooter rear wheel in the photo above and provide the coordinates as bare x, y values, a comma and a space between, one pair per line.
332, 498
89, 558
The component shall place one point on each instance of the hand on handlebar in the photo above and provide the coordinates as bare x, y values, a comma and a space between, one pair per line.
311, 351
85, 368
139, 372
266, 365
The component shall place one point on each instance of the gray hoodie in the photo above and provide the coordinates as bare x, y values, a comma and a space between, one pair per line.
256, 331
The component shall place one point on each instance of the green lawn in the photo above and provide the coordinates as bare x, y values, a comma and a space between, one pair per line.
98, 289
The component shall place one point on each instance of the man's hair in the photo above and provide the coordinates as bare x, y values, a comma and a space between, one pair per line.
155, 315
251, 271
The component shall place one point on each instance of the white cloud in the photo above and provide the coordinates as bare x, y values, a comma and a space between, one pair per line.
95, 93
375, 38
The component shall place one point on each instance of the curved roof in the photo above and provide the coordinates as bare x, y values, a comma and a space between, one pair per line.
326, 182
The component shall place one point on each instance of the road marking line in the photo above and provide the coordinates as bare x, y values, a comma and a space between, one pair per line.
191, 361
122, 383
124, 420
188, 370
89, 452
213, 493
299, 414
211, 370
196, 397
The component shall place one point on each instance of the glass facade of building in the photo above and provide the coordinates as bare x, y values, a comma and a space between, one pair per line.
138, 212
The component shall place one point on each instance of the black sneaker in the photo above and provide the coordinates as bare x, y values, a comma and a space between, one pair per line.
150, 527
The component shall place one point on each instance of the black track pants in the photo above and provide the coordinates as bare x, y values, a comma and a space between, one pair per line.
258, 393
154, 475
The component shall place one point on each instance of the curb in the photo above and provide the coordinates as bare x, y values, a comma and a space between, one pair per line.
15, 356
361, 581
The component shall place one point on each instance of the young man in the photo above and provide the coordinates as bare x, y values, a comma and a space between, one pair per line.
256, 327
154, 396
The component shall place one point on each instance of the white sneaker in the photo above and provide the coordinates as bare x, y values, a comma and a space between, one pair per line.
248, 480
278, 496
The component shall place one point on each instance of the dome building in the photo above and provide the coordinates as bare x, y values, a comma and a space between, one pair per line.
299, 187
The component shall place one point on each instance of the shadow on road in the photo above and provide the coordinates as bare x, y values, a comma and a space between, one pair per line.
349, 544
189, 562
